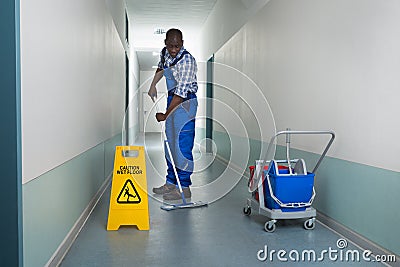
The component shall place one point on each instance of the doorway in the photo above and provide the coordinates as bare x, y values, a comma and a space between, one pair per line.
150, 124
209, 103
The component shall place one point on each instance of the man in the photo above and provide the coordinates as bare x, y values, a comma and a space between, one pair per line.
179, 68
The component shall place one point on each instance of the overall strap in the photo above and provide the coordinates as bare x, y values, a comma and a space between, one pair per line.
163, 55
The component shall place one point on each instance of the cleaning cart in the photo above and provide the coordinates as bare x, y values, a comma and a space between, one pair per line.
284, 189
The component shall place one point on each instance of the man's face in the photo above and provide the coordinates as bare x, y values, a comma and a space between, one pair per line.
173, 45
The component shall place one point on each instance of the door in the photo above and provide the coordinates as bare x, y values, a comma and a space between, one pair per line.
209, 104
127, 126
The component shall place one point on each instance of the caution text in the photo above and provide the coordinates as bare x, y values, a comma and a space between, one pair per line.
129, 170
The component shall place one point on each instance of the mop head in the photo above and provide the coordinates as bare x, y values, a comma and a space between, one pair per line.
187, 205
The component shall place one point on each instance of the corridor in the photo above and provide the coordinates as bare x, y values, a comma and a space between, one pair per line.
217, 235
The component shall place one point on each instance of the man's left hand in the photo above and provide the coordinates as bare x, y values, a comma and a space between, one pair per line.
161, 117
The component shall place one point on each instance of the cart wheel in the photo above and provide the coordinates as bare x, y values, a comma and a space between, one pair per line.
309, 224
247, 210
270, 226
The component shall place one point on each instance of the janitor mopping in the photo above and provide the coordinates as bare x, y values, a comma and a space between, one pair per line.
179, 68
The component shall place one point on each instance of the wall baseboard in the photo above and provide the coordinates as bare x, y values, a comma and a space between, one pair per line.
64, 247
355, 238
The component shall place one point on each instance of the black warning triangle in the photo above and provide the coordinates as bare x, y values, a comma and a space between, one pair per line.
128, 194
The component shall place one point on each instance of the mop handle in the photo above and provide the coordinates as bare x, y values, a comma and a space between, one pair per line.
170, 156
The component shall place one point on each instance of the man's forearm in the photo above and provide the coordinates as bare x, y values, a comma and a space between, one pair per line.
153, 90
176, 101
157, 77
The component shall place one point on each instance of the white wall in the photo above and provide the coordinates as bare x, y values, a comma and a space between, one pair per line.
73, 85
227, 17
328, 65
134, 84
117, 10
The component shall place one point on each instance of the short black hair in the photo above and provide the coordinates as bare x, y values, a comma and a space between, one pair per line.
174, 32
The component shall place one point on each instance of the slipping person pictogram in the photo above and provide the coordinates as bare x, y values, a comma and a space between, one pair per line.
126, 193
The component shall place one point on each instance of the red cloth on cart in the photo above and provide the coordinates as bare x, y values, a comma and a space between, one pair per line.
252, 168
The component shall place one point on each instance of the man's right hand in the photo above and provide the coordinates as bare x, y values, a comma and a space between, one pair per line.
153, 93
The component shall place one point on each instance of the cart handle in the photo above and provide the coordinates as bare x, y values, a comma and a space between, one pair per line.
305, 132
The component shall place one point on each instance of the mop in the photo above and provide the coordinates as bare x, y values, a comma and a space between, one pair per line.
184, 204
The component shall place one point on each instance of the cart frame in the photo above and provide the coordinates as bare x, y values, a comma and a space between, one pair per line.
277, 214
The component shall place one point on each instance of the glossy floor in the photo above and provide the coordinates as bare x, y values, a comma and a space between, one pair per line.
217, 235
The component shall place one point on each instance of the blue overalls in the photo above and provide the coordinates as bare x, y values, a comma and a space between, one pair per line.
180, 130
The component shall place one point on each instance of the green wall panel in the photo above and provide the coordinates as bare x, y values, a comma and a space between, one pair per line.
53, 202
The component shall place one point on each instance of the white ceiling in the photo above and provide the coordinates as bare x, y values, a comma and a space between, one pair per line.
148, 15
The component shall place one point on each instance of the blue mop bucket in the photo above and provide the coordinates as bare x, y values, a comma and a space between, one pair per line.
296, 189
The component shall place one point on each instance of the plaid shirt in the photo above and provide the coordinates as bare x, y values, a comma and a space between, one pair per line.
184, 72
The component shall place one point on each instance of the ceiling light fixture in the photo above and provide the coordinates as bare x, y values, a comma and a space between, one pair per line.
159, 31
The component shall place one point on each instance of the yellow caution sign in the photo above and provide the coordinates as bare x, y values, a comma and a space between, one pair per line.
129, 201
